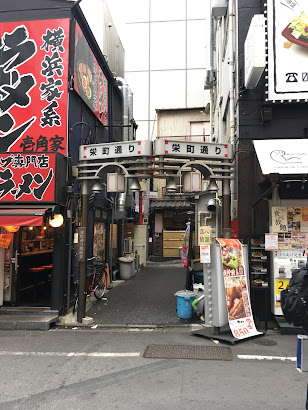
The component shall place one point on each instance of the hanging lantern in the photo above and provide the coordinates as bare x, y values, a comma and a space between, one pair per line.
12, 229
56, 221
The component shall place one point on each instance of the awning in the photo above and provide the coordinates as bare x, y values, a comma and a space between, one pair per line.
22, 216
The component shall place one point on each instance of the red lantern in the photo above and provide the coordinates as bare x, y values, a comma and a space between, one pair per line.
12, 229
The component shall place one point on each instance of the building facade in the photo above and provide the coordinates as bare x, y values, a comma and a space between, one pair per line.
58, 92
259, 103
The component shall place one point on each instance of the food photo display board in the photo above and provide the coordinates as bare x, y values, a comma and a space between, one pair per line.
237, 295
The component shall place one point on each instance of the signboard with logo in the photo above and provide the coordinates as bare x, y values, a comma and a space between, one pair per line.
287, 156
33, 85
235, 279
32, 178
89, 81
287, 50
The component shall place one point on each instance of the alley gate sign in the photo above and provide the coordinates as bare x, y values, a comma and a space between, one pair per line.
160, 147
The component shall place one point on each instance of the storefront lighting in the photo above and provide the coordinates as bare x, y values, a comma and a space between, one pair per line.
12, 229
30, 228
212, 187
211, 205
171, 186
135, 186
56, 221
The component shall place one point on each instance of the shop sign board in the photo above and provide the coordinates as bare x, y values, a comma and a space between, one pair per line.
90, 81
192, 149
287, 46
235, 276
113, 150
33, 85
33, 177
286, 156
82, 244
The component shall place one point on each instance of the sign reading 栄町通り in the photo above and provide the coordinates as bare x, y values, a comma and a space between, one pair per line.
27, 177
34, 85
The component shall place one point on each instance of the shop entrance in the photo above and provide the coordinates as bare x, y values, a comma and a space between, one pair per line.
28, 265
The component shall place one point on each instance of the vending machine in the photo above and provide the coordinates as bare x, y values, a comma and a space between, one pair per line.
289, 221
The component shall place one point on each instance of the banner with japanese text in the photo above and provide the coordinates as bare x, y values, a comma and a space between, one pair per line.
89, 81
235, 279
34, 86
27, 177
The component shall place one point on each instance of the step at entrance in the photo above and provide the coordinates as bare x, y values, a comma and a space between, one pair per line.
26, 318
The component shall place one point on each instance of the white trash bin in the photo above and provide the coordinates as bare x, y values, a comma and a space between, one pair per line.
127, 267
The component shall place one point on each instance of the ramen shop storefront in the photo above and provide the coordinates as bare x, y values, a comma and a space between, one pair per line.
29, 231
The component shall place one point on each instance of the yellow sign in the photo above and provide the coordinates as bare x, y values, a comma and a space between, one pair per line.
280, 284
204, 235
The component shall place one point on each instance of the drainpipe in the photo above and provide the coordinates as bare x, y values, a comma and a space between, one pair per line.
130, 114
125, 103
229, 186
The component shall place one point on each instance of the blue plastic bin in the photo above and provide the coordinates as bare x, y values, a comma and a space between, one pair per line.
184, 300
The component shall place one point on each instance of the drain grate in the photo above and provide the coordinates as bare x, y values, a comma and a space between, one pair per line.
265, 342
188, 352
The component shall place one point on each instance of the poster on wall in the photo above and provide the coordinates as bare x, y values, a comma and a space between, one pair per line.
204, 235
89, 80
34, 85
287, 50
235, 279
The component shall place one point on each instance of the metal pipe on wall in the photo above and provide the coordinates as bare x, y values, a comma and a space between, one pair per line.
81, 309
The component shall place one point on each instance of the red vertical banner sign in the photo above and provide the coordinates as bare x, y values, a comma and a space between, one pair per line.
34, 85
235, 279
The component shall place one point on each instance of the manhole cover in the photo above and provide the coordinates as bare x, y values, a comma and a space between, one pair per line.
265, 342
188, 352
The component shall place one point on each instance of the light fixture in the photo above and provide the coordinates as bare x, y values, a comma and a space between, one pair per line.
211, 205
171, 186
12, 229
135, 186
97, 187
212, 186
56, 221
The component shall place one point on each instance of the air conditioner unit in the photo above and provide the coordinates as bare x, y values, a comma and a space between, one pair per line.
219, 7
128, 245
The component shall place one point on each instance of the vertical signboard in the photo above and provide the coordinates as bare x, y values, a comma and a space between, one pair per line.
287, 50
89, 81
235, 279
34, 85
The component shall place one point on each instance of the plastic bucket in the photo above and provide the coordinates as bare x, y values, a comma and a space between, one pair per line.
184, 300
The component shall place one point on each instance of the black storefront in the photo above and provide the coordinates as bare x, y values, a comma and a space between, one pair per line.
62, 95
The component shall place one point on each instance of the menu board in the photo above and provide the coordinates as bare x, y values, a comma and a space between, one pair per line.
235, 280
290, 219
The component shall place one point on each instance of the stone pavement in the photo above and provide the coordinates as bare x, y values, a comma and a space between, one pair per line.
145, 300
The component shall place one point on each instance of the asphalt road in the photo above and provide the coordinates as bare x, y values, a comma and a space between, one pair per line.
90, 368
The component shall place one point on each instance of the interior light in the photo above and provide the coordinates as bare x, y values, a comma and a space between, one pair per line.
56, 221
30, 228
